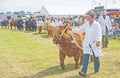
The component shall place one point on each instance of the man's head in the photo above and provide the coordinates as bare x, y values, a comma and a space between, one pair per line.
90, 15
104, 14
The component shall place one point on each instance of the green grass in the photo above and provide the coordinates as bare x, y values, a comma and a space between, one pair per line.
32, 55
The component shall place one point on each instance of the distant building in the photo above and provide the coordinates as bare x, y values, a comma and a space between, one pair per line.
28, 13
9, 15
2, 13
3, 16
16, 13
21, 13
45, 12
100, 9
8, 12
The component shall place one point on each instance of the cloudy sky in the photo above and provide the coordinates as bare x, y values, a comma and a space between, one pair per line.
56, 6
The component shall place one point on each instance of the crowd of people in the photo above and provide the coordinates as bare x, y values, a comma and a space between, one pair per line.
115, 32
20, 24
34, 24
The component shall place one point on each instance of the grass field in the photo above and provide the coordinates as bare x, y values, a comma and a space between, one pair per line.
32, 55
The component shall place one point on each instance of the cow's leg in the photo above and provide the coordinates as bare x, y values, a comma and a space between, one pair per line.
48, 32
14, 27
62, 58
91, 58
81, 57
51, 33
76, 58
10, 27
40, 29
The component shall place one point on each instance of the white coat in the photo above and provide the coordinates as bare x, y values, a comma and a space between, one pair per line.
105, 22
92, 35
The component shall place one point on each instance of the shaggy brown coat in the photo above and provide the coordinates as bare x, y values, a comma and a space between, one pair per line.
68, 48
49, 27
13, 23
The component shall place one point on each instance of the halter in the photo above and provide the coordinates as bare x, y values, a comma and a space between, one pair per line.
72, 35
63, 32
74, 40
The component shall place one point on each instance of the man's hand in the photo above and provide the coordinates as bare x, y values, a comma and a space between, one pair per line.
97, 43
110, 30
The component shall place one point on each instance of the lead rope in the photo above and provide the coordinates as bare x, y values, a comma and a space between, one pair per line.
63, 32
74, 41
60, 37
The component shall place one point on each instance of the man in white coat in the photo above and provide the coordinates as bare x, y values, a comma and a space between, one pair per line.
91, 43
106, 27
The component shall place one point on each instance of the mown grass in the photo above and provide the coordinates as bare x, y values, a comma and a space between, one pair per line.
32, 55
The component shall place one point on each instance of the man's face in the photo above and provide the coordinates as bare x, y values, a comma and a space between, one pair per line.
104, 15
89, 17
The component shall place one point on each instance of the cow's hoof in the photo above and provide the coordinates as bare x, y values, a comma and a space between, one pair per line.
76, 67
63, 68
81, 63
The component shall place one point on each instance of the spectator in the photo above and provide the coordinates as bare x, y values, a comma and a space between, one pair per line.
106, 27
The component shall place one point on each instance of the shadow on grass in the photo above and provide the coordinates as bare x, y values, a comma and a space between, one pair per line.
38, 33
78, 76
52, 71
27, 31
42, 34
45, 36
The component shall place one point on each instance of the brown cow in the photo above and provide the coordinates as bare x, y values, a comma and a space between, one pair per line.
13, 24
50, 28
63, 38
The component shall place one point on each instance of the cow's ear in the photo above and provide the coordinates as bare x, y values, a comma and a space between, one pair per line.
61, 28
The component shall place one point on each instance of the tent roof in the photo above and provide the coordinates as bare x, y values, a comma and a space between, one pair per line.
113, 13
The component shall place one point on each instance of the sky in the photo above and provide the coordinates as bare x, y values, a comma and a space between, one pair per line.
56, 6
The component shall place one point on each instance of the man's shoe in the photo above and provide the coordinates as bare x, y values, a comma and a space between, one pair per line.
82, 74
96, 72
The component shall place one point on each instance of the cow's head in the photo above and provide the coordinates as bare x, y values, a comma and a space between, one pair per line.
59, 33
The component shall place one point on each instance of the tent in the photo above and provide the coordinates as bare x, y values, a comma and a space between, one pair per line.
113, 14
